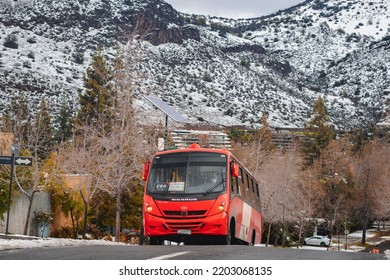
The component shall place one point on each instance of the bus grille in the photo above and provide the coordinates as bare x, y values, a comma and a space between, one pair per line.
185, 213
182, 225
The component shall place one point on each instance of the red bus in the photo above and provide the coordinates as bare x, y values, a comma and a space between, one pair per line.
200, 196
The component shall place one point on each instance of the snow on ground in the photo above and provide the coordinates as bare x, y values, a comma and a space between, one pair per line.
17, 242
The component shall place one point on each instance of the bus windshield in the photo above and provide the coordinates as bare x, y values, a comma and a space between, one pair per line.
188, 173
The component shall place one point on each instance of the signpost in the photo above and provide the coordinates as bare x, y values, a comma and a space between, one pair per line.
13, 161
18, 161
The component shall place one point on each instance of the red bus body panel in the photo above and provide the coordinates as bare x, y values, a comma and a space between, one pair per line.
247, 219
198, 218
202, 217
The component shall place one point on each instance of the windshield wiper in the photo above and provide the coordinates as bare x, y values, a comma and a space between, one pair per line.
168, 182
166, 188
213, 187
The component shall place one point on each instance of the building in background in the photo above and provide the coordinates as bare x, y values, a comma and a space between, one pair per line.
6, 141
206, 139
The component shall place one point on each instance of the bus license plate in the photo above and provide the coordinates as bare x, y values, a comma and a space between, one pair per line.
184, 231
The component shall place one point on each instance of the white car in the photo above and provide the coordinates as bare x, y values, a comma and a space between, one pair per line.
317, 240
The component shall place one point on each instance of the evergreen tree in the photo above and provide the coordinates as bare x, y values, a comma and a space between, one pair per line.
264, 134
6, 122
17, 118
96, 103
43, 131
318, 131
262, 146
64, 123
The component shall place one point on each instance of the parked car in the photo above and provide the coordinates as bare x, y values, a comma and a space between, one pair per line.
317, 240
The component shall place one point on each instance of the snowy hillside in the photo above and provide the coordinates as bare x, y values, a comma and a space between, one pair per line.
217, 70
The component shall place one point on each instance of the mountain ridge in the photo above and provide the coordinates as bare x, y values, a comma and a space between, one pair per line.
224, 71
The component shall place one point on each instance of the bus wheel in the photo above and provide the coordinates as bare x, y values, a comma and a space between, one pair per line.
253, 239
231, 238
156, 240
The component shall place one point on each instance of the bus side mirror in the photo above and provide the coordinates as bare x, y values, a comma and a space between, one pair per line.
235, 169
145, 171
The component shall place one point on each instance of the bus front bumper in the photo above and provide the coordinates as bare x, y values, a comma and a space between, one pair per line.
210, 225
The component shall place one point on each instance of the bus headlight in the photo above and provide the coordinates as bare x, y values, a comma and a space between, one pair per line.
221, 207
148, 208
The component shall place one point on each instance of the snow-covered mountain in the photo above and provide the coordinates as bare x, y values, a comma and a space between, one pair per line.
210, 69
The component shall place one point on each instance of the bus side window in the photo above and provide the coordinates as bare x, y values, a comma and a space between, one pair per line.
245, 186
241, 183
251, 191
257, 194
235, 187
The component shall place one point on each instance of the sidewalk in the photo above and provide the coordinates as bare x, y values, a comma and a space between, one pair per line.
374, 240
18, 237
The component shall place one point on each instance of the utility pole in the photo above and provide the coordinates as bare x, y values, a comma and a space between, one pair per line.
9, 191
15, 150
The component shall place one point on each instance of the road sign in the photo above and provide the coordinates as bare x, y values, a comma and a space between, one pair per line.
5, 160
19, 161
25, 161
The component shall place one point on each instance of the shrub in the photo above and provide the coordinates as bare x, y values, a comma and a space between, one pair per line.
63, 232
27, 64
11, 41
31, 54
32, 40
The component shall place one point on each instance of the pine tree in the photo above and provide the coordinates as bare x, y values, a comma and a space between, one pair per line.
96, 103
17, 118
43, 131
318, 131
264, 134
64, 122
262, 146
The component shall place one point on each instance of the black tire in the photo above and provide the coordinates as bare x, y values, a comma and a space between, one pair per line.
322, 244
156, 240
253, 239
230, 239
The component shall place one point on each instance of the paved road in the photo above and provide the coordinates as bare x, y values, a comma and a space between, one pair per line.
181, 253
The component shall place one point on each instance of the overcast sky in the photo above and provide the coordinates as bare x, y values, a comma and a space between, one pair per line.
232, 8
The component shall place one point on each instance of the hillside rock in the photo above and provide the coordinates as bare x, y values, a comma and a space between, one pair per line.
222, 71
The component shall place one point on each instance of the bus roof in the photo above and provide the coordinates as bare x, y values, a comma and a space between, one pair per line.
194, 148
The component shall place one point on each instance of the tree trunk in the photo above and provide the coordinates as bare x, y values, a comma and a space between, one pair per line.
269, 233
141, 236
364, 233
365, 207
85, 219
118, 217
73, 224
27, 223
277, 234
300, 234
